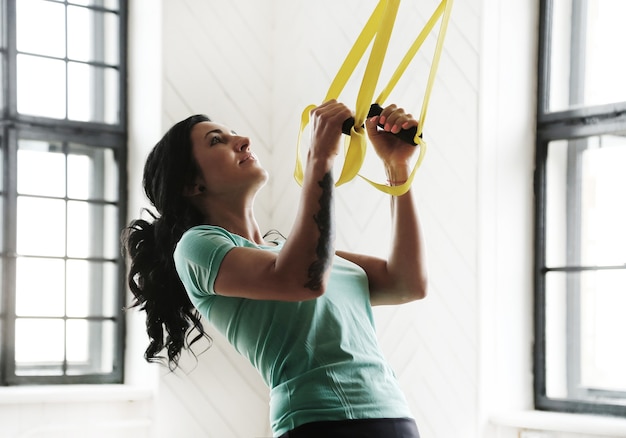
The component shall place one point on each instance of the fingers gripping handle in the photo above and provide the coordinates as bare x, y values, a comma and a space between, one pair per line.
408, 135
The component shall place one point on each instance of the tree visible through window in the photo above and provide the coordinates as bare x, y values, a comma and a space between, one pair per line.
580, 188
62, 198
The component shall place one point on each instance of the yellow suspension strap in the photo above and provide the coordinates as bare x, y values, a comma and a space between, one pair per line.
378, 28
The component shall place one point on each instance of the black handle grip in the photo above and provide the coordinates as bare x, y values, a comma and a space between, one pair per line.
407, 135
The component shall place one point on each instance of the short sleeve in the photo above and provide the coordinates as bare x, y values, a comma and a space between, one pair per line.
198, 257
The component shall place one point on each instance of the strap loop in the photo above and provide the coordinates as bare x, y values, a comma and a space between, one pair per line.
379, 28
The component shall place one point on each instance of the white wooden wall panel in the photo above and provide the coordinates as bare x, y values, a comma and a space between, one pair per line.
217, 60
68, 419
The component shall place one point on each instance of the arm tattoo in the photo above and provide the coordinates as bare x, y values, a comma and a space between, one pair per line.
326, 227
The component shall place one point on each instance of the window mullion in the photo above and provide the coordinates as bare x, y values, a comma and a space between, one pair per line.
573, 282
64, 366
10, 260
11, 61
578, 44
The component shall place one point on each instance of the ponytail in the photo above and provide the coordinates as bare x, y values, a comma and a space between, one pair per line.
170, 317
172, 322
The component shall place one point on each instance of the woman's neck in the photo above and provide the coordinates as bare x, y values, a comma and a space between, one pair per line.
237, 219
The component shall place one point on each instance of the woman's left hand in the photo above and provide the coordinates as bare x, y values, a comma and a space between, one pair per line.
394, 152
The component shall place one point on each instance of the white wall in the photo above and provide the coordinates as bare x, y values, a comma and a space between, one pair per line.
507, 111
218, 60
463, 355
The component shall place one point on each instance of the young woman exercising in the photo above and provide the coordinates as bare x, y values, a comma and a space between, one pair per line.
297, 309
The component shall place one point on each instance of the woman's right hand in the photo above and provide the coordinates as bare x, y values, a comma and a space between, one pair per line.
326, 121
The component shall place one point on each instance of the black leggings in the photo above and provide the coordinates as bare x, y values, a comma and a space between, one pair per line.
367, 428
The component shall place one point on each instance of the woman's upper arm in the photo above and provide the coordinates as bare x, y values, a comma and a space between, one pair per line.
211, 261
384, 288
252, 273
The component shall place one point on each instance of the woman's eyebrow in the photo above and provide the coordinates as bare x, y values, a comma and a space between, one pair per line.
213, 131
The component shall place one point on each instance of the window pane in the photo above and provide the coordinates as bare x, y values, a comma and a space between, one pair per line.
603, 305
584, 331
584, 66
2, 97
3, 48
3, 42
2, 149
40, 87
2, 334
92, 230
40, 287
40, 168
40, 227
92, 173
41, 27
603, 234
90, 346
93, 36
91, 288
2, 292
2, 216
93, 93
108, 4
585, 223
2, 213
556, 335
39, 346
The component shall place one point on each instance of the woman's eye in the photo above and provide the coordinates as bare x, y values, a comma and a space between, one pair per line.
216, 139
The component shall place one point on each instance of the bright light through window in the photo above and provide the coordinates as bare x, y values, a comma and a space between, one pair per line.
69, 73
580, 185
63, 157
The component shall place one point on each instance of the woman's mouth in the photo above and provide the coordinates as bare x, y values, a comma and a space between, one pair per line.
248, 156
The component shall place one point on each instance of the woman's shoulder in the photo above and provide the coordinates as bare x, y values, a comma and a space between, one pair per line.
207, 230
202, 243
203, 233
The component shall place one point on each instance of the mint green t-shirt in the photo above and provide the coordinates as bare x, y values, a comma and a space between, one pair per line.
320, 358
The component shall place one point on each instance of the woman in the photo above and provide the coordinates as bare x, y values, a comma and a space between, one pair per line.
300, 312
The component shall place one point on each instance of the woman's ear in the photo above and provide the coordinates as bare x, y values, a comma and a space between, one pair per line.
193, 190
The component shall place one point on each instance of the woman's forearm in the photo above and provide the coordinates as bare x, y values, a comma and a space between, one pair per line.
406, 263
308, 252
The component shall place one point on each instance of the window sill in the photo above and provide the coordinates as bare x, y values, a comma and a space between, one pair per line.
562, 422
73, 394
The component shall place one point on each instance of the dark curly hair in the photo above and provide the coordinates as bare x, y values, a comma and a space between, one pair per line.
172, 323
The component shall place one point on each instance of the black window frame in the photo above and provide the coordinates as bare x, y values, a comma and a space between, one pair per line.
574, 125
96, 135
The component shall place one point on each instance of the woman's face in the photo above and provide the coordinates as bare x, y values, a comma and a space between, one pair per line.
225, 160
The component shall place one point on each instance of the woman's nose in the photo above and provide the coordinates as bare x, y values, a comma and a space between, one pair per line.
243, 144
